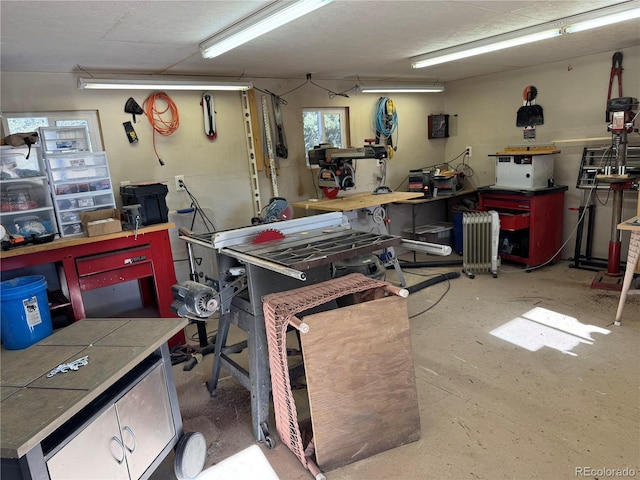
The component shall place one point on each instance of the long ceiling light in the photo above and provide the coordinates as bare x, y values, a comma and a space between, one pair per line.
402, 89
159, 84
273, 16
587, 23
576, 23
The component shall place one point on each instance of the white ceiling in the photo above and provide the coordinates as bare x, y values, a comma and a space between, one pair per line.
347, 39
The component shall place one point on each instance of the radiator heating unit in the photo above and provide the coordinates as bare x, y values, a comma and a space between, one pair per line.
480, 241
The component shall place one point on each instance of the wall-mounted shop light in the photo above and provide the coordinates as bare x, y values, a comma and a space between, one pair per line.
576, 23
402, 89
159, 84
273, 16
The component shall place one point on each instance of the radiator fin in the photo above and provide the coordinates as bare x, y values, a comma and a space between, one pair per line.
480, 239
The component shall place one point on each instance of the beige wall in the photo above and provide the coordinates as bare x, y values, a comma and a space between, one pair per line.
482, 113
217, 172
573, 95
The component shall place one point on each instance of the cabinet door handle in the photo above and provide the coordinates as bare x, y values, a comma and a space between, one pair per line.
130, 432
119, 442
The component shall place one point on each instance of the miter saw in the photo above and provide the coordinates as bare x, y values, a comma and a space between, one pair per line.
278, 209
336, 165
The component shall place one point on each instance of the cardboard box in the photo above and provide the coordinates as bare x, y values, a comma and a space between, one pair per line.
101, 222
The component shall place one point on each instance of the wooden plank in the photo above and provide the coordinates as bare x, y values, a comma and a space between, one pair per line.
360, 379
81, 240
357, 201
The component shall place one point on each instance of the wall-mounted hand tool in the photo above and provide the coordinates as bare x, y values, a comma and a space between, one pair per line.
209, 113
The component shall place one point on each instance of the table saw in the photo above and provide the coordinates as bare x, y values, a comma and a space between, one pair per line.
297, 252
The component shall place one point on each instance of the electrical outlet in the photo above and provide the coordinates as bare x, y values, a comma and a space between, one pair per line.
469, 152
179, 183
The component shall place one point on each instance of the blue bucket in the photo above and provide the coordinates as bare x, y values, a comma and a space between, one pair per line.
25, 312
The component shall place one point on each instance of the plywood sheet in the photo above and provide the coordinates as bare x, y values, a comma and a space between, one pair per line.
361, 382
357, 201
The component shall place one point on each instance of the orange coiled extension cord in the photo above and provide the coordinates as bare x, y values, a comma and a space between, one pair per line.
155, 106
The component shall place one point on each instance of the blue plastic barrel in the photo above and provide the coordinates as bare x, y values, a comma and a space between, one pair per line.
25, 312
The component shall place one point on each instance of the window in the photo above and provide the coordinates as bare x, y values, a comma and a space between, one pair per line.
325, 125
30, 121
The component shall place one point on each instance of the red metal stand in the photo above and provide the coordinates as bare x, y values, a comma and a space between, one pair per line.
95, 262
533, 217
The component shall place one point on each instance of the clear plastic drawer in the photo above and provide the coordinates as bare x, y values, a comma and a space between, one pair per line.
84, 202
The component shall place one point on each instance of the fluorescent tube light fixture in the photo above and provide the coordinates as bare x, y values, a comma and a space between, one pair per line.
275, 15
573, 24
491, 44
586, 23
402, 89
159, 84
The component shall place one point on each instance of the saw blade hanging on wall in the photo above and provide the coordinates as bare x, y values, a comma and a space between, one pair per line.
209, 116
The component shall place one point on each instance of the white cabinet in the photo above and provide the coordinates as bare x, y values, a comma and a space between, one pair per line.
65, 139
124, 440
80, 179
26, 209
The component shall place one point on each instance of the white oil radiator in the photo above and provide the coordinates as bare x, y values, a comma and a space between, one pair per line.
480, 240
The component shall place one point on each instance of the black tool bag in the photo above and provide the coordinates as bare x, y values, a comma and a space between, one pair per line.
20, 139
529, 115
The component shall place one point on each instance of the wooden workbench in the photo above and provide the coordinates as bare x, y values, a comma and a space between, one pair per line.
67, 242
356, 201
38, 410
95, 262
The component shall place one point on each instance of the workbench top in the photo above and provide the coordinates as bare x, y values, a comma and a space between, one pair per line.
356, 201
33, 406
81, 240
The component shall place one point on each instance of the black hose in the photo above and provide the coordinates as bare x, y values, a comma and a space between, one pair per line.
432, 281
443, 263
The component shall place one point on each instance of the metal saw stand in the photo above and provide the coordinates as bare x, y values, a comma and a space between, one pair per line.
247, 315
375, 219
247, 272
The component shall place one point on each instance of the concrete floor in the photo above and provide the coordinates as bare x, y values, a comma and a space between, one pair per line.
490, 409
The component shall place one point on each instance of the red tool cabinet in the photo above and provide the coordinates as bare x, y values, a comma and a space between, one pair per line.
530, 222
87, 263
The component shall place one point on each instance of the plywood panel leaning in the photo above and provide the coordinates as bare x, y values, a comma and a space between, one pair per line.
361, 382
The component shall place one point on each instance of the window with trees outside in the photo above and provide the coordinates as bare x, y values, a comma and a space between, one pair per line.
325, 125
31, 121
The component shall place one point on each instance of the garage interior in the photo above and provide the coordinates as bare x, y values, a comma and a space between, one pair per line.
527, 369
